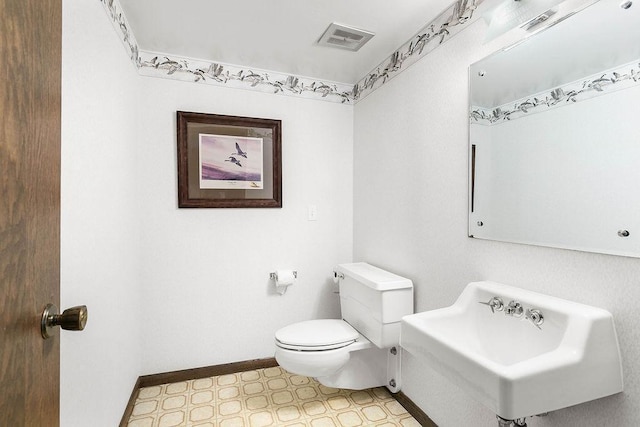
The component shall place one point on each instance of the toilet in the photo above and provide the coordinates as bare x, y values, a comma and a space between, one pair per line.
361, 350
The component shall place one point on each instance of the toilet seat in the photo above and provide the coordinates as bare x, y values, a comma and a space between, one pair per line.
316, 335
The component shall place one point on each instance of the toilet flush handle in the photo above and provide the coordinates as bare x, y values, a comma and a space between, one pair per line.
337, 276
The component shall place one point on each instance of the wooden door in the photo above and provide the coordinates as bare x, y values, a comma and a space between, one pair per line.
30, 64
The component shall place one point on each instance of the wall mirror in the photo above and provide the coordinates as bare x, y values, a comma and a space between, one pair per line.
555, 135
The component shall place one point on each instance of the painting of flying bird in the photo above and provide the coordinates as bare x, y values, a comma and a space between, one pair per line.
234, 160
239, 151
230, 162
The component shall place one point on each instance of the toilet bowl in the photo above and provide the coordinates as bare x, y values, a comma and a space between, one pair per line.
332, 352
317, 348
360, 350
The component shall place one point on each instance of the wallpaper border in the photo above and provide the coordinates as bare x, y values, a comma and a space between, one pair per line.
155, 64
450, 22
618, 78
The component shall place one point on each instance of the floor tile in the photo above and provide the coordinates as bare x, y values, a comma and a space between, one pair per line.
145, 408
172, 419
202, 413
268, 397
202, 397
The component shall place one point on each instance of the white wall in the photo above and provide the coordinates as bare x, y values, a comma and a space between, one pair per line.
205, 281
410, 216
171, 288
99, 236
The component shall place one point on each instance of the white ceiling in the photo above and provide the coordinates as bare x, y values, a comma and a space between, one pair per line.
278, 35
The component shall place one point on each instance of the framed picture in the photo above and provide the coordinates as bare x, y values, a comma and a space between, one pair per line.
228, 161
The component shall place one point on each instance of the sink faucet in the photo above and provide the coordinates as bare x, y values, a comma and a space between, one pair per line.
495, 304
535, 316
514, 308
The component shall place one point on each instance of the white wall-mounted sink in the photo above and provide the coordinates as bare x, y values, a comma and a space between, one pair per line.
509, 359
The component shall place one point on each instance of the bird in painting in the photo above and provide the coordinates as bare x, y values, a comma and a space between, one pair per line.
240, 152
233, 160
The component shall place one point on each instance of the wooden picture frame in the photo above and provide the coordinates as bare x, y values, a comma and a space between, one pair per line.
228, 161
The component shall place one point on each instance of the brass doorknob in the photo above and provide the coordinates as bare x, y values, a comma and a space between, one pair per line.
72, 319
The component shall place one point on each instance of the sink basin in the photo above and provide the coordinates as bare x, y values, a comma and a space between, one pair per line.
541, 355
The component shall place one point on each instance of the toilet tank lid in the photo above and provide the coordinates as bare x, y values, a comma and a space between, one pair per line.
374, 277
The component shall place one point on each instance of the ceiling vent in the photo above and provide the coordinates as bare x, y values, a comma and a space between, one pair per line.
344, 37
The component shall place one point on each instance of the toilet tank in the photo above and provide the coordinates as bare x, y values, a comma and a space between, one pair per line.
373, 301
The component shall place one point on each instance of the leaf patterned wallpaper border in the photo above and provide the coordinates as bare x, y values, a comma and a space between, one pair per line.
622, 77
453, 20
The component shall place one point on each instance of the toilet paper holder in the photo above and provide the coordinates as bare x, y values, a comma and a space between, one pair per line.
274, 275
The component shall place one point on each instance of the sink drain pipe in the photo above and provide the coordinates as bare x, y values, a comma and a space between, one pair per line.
519, 422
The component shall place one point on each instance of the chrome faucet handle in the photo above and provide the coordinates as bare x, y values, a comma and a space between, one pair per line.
494, 304
535, 316
514, 308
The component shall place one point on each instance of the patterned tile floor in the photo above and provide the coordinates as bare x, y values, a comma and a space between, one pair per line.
265, 397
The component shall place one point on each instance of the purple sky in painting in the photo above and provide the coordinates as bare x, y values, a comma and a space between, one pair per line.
215, 149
